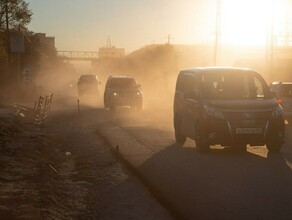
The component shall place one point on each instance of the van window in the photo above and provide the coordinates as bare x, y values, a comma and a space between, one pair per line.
180, 82
233, 85
258, 88
190, 87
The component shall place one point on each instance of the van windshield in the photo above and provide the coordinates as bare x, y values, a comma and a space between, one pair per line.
233, 85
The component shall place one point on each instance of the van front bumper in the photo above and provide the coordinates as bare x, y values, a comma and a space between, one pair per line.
230, 132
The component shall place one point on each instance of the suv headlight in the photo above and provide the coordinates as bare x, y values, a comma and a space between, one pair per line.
277, 112
213, 112
115, 94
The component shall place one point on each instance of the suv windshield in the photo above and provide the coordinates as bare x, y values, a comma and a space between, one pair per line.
233, 85
123, 83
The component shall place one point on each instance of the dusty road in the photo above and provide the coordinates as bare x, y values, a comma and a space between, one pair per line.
222, 184
90, 183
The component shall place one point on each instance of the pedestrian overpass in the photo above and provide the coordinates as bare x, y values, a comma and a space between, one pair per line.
78, 55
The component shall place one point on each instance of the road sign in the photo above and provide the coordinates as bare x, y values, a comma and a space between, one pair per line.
17, 42
27, 75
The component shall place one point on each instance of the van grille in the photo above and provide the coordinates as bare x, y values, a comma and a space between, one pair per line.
247, 115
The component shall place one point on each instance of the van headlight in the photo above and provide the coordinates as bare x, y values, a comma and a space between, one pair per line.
213, 112
277, 112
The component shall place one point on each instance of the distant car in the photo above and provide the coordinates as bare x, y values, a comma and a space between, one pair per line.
226, 106
122, 91
88, 85
283, 94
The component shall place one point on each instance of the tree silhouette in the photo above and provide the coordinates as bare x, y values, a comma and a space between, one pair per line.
14, 15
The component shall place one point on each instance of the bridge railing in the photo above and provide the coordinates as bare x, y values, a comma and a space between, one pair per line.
78, 55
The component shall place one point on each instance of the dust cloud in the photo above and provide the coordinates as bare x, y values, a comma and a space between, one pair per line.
155, 68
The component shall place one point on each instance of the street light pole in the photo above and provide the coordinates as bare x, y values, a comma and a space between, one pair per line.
272, 42
217, 32
269, 59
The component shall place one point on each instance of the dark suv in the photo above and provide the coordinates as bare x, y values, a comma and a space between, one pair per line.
88, 85
283, 93
122, 91
228, 107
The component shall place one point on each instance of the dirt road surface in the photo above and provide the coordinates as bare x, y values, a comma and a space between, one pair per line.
64, 170
69, 172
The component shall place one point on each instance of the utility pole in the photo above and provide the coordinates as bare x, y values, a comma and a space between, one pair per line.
217, 33
168, 39
270, 45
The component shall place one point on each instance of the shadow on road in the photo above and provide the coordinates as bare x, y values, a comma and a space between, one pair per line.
222, 184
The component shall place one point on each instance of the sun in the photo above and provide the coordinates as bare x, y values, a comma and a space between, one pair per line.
248, 22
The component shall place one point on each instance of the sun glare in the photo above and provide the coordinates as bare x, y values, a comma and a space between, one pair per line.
249, 22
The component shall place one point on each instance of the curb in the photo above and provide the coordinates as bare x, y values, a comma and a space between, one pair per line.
154, 191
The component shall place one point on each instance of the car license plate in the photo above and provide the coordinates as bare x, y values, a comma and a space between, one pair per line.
248, 130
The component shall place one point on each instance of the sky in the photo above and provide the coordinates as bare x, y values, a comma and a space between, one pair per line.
85, 25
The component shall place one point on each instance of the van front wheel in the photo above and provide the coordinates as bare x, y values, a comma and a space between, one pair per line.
274, 147
179, 138
201, 144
